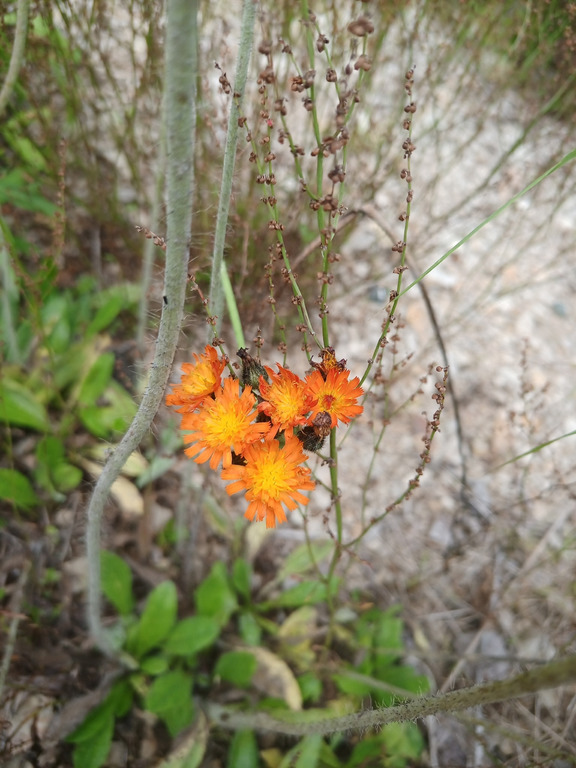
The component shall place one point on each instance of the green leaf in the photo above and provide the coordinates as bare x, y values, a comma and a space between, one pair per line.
23, 193
243, 752
403, 742
105, 315
310, 687
93, 753
19, 407
306, 593
236, 667
53, 472
309, 751
242, 577
304, 557
387, 637
28, 152
70, 367
94, 735
157, 467
250, 630
192, 635
114, 417
154, 665
117, 582
536, 449
121, 697
568, 158
170, 697
94, 722
400, 677
156, 621
66, 477
97, 379
16, 489
351, 686
214, 596
365, 753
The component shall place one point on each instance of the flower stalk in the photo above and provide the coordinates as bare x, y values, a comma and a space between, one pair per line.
180, 118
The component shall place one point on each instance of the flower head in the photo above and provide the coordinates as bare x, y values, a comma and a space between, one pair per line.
335, 395
222, 424
272, 476
286, 400
199, 380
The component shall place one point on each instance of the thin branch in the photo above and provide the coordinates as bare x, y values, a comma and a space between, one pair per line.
180, 118
15, 607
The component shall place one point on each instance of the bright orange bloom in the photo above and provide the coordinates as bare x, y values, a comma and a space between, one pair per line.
286, 400
199, 380
223, 424
271, 477
336, 395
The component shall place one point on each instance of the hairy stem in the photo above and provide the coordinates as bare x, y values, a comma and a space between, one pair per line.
218, 281
551, 675
17, 53
149, 246
179, 120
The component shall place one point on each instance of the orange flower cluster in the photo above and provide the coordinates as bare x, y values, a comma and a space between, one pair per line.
259, 425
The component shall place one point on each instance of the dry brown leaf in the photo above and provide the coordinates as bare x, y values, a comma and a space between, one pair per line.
275, 678
124, 492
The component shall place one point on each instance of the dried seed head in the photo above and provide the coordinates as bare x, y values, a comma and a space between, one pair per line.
361, 27
363, 62
337, 174
267, 76
321, 43
225, 83
309, 78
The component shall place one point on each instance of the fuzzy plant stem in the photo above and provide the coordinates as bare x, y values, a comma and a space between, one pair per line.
179, 116
17, 53
552, 675
149, 247
220, 285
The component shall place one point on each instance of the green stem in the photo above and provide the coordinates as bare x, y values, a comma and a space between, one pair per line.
180, 118
216, 297
17, 53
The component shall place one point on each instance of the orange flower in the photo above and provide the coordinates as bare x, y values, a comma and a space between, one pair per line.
199, 380
222, 424
286, 401
336, 395
271, 477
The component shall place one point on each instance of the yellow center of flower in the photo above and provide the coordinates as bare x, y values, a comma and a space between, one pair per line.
287, 402
268, 475
225, 424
